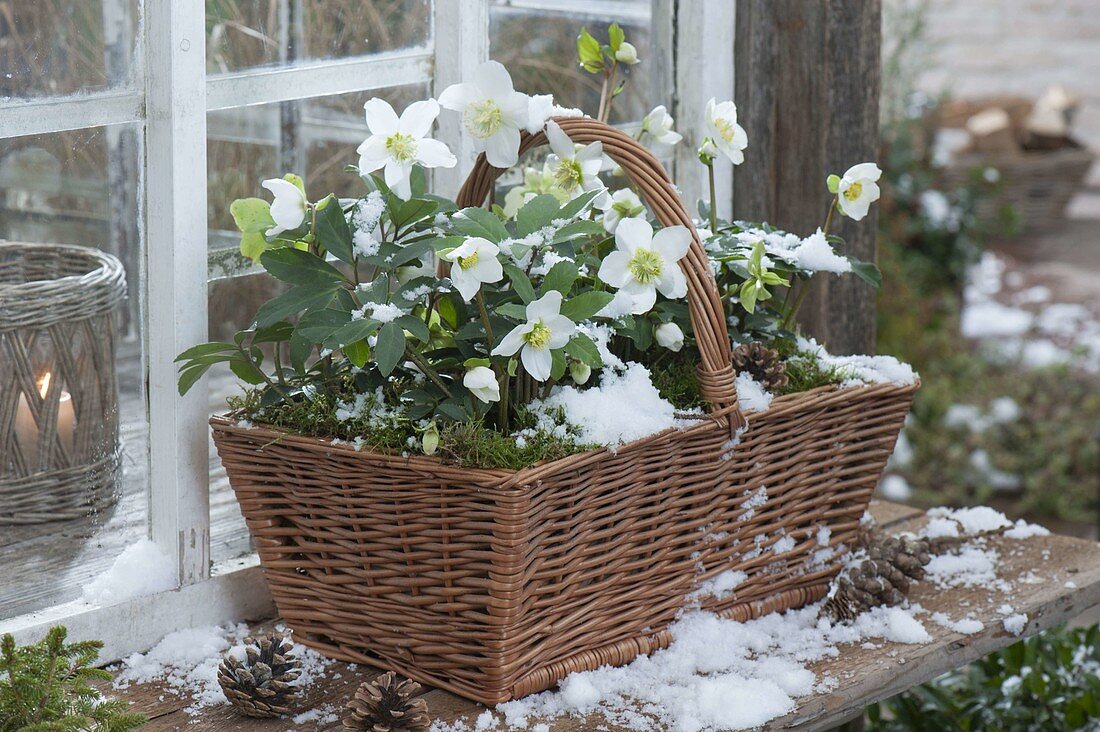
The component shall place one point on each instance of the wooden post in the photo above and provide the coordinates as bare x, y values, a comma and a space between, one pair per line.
807, 91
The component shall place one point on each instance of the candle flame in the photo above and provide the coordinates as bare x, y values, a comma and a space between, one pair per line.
44, 384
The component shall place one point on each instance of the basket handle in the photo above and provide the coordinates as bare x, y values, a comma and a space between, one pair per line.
716, 376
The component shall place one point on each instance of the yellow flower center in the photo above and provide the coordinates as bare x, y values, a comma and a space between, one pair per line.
483, 118
568, 174
402, 147
538, 337
854, 191
645, 266
468, 261
725, 128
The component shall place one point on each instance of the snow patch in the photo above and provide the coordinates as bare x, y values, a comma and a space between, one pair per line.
141, 569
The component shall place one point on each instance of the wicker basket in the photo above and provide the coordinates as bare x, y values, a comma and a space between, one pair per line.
495, 584
59, 455
1037, 184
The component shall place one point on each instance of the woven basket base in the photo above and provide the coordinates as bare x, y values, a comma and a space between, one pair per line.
60, 495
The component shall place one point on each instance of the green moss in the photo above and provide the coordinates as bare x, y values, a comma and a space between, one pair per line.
805, 371
675, 379
468, 444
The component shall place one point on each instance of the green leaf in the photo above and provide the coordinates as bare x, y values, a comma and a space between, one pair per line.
416, 326
576, 206
557, 364
585, 305
300, 349
299, 268
205, 349
616, 36
415, 250
512, 310
536, 213
589, 54
412, 211
479, 222
317, 326
251, 215
584, 349
578, 229
866, 271
390, 348
189, 376
560, 277
354, 331
520, 283
246, 371
297, 181
749, 293
295, 300
253, 244
358, 352
333, 232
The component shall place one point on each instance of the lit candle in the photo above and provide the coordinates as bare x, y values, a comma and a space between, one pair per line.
26, 429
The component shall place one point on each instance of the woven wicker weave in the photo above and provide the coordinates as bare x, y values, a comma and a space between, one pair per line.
496, 584
57, 308
1037, 184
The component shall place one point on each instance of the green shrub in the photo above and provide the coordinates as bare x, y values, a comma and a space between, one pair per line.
47, 686
1049, 682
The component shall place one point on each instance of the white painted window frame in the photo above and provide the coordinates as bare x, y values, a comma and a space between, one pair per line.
171, 96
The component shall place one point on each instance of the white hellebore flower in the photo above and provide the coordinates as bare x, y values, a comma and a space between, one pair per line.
397, 143
658, 125
723, 130
575, 171
492, 112
288, 210
625, 204
473, 262
482, 383
644, 263
858, 189
670, 336
546, 329
627, 54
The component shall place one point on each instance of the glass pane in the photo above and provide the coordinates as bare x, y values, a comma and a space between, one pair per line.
314, 137
55, 47
77, 188
243, 34
546, 62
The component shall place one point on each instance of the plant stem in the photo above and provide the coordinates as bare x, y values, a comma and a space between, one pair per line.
606, 93
789, 320
829, 218
427, 370
485, 319
713, 196
503, 405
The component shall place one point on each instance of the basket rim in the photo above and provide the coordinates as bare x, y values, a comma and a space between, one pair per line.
780, 405
103, 267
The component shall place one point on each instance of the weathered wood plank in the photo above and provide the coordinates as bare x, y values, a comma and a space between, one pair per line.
863, 675
807, 89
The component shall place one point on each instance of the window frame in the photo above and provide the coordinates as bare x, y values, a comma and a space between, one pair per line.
170, 95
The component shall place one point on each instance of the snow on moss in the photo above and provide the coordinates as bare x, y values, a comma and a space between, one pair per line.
859, 369
624, 407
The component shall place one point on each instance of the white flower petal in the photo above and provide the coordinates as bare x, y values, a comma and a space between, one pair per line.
863, 171
672, 243
418, 117
465, 281
458, 96
614, 268
397, 177
434, 154
561, 330
372, 153
502, 149
673, 282
511, 342
494, 80
538, 362
559, 141
643, 297
515, 110
381, 119
632, 234
546, 307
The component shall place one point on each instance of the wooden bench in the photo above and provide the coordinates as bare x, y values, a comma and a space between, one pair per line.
864, 675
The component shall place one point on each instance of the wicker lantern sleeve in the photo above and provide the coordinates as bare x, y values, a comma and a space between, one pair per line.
495, 584
59, 452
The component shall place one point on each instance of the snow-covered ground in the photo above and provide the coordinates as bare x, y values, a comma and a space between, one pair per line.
1014, 318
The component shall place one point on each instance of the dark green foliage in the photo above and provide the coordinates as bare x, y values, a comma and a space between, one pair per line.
675, 379
805, 371
47, 687
1049, 682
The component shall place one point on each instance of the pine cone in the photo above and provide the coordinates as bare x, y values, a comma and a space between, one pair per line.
387, 705
893, 563
260, 685
762, 363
